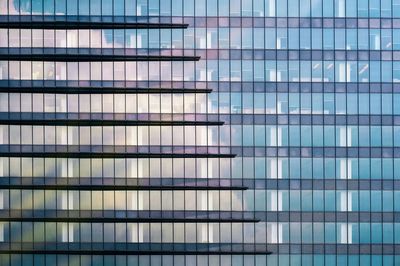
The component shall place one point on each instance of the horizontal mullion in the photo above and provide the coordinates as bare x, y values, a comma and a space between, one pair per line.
89, 122
122, 187
126, 219
74, 57
99, 90
114, 155
126, 213
141, 250
99, 181
88, 25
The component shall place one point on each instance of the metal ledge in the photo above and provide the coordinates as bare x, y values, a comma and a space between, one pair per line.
114, 155
126, 220
90, 122
99, 90
88, 25
142, 251
122, 187
74, 57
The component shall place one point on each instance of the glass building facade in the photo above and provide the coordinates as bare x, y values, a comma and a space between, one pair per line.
199, 132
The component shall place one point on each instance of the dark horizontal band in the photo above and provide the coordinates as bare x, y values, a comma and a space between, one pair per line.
114, 155
88, 25
121, 187
126, 220
136, 252
88, 122
167, 117
136, 248
131, 214
74, 57
99, 90
117, 182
